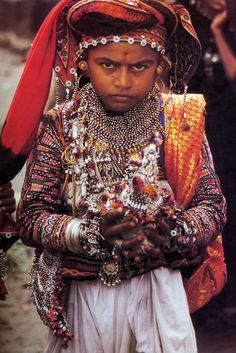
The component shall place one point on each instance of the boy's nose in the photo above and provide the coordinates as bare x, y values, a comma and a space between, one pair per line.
123, 79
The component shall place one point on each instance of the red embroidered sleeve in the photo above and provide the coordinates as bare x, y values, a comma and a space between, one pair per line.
41, 221
207, 210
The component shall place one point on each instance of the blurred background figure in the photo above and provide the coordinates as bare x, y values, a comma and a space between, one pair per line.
231, 9
215, 78
8, 235
226, 52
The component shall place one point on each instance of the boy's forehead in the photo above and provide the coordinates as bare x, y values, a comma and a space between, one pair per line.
119, 51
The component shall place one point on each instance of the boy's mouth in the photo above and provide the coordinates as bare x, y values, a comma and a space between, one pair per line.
120, 102
121, 96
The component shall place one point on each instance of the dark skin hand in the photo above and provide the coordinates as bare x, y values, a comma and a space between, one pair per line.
7, 200
139, 241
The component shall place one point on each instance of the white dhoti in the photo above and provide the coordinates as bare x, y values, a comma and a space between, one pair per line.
151, 307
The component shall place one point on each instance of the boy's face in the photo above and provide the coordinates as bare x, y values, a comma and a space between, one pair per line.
122, 74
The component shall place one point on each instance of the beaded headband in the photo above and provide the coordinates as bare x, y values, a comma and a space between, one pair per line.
155, 37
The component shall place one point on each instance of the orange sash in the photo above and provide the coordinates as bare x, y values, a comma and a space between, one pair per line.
183, 167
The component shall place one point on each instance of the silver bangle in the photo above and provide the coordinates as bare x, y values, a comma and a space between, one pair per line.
72, 236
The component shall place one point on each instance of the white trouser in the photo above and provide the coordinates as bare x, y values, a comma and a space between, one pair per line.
152, 307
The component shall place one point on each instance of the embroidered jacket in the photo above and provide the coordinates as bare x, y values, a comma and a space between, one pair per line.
43, 215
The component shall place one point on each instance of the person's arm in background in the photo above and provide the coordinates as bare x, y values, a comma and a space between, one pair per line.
7, 200
227, 56
7, 231
8, 234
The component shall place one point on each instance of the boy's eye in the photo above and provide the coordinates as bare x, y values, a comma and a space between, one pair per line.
139, 67
107, 66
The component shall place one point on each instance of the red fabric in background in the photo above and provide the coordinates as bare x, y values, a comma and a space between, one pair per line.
32, 91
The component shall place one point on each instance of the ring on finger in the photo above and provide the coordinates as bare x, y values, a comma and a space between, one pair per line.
118, 243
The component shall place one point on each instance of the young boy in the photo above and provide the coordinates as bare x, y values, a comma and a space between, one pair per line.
120, 186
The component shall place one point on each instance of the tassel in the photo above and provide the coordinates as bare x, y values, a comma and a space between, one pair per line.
74, 193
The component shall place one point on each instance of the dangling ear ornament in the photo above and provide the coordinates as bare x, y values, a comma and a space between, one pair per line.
82, 65
159, 70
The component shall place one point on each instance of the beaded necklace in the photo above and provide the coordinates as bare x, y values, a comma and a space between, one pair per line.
128, 132
99, 145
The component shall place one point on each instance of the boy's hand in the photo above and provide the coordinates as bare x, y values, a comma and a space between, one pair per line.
114, 224
135, 241
7, 200
150, 246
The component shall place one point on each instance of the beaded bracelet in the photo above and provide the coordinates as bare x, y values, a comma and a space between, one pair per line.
91, 239
3, 265
182, 236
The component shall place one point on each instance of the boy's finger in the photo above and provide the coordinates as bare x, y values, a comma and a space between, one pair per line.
7, 202
8, 209
132, 243
118, 229
5, 186
154, 237
114, 215
7, 193
163, 228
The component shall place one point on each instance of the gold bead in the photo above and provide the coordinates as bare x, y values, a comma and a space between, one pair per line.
83, 66
159, 70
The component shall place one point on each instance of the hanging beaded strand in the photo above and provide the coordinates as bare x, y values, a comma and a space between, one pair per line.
76, 86
185, 126
57, 84
71, 157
